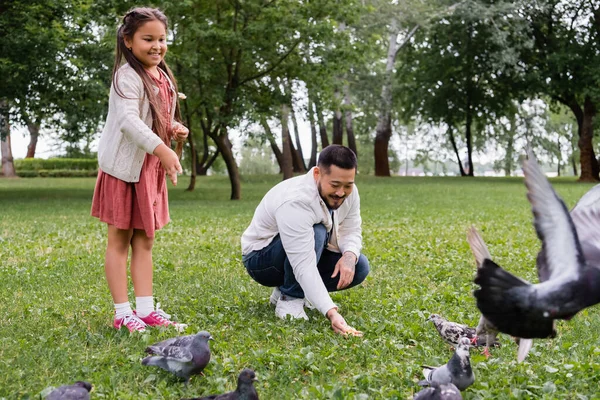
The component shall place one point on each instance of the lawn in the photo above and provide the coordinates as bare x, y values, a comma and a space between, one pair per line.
56, 308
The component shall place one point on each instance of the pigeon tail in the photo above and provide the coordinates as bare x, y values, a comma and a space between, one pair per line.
506, 301
157, 361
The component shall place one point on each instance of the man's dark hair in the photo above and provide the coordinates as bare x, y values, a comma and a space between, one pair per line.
338, 155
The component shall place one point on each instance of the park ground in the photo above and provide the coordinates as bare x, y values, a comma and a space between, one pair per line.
56, 308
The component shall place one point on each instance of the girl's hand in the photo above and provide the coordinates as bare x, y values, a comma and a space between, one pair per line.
169, 161
180, 132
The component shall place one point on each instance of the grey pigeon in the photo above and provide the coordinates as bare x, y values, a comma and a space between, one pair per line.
245, 389
568, 281
439, 392
451, 332
80, 390
485, 327
183, 356
456, 371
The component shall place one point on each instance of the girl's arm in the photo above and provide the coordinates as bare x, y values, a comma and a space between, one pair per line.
129, 108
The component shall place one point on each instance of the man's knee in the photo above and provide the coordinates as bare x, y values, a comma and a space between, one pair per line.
361, 270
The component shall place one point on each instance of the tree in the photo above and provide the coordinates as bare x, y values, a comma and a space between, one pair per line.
463, 69
223, 47
564, 64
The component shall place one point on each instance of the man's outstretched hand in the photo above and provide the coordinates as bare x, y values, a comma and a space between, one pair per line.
339, 325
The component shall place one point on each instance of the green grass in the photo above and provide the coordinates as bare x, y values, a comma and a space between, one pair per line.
56, 308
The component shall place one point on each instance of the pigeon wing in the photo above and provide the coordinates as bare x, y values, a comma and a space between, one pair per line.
181, 341
561, 249
181, 354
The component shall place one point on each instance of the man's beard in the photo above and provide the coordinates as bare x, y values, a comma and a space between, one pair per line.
330, 206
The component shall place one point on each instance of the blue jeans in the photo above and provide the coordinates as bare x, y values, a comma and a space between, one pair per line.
269, 266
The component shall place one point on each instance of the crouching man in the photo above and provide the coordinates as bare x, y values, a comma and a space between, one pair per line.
305, 239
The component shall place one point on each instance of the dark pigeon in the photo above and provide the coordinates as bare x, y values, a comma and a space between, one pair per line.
568, 281
245, 389
485, 328
439, 392
451, 332
457, 371
184, 356
80, 390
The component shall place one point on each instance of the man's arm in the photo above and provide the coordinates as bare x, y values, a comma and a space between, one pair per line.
295, 222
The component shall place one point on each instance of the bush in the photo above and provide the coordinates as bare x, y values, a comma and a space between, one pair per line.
66, 173
27, 173
37, 164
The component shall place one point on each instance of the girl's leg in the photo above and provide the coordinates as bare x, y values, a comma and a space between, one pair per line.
115, 264
141, 263
141, 274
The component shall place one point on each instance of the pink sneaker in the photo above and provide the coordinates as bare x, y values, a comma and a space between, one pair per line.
132, 322
161, 318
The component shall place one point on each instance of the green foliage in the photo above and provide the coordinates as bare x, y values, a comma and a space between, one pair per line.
57, 309
36, 164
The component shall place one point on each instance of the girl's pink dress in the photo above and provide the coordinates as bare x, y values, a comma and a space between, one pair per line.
143, 205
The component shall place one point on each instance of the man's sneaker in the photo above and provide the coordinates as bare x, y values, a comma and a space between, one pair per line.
160, 318
131, 322
290, 306
276, 294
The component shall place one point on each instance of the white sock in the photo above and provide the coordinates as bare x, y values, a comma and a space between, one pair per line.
144, 305
122, 309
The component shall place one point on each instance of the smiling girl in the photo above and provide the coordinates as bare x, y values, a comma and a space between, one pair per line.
134, 154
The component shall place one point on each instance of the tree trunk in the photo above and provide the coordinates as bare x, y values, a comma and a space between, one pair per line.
338, 128
287, 165
272, 142
384, 125
348, 117
8, 166
322, 126
469, 136
453, 142
194, 157
313, 135
299, 156
224, 145
509, 155
34, 133
587, 157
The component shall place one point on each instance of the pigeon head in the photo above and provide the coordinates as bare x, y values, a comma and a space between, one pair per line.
204, 336
463, 346
247, 376
434, 317
86, 385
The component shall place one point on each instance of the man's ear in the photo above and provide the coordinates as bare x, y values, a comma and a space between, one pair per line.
316, 173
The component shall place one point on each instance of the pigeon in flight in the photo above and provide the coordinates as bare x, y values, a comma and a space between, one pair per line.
568, 281
439, 392
183, 356
456, 371
80, 390
245, 389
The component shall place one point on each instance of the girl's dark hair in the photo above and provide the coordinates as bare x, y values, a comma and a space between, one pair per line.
340, 156
135, 18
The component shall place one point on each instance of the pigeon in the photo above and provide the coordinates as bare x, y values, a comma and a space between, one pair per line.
80, 390
485, 327
439, 392
245, 389
183, 356
457, 371
451, 332
568, 281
